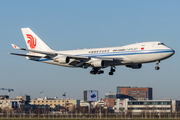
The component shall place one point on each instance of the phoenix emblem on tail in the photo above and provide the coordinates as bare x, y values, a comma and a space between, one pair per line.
32, 41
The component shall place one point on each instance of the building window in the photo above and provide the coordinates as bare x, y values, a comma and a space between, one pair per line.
46, 101
34, 101
159, 103
114, 102
121, 108
38, 101
54, 101
42, 101
117, 90
50, 101
146, 94
58, 101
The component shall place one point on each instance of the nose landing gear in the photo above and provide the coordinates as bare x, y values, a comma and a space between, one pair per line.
157, 67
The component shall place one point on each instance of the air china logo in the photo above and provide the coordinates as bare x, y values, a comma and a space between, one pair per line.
32, 41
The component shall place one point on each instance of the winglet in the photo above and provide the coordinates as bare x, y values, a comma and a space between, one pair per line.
15, 47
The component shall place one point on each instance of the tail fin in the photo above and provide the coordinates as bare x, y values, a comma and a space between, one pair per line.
33, 41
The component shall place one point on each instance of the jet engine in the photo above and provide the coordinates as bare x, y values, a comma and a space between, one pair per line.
62, 59
98, 63
135, 66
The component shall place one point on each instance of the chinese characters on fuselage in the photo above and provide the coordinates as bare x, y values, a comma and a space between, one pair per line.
114, 50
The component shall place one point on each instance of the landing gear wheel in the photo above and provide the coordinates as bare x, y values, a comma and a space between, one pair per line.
92, 72
101, 71
113, 70
111, 73
157, 68
96, 71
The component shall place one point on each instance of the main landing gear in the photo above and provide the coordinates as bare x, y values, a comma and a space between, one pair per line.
96, 71
112, 70
157, 67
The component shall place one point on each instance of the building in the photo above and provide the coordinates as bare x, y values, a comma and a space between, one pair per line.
109, 101
10, 103
4, 97
54, 102
151, 106
136, 92
14, 103
93, 104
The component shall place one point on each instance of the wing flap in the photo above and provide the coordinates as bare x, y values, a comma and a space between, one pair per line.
76, 57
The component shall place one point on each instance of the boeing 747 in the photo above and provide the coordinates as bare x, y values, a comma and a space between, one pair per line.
132, 56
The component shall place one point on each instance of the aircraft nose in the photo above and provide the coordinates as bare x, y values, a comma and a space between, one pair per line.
172, 52
168, 53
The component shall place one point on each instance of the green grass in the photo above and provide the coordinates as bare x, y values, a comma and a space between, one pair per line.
78, 119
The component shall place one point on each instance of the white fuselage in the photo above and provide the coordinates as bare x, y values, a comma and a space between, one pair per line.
135, 53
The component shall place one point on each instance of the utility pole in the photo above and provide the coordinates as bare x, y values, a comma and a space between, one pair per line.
65, 100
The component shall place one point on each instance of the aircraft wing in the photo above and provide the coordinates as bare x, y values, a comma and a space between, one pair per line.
76, 57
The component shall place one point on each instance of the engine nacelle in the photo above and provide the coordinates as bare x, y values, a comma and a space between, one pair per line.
98, 63
62, 59
135, 66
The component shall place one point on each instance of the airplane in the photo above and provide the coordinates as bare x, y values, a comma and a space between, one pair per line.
132, 56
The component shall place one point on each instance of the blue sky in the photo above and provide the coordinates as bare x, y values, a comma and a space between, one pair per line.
68, 25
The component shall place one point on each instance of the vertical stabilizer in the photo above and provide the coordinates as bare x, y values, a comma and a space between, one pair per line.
33, 41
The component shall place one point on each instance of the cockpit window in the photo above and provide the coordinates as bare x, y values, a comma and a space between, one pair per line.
160, 43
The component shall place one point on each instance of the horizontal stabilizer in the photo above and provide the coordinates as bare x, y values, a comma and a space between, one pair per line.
25, 55
15, 47
35, 51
